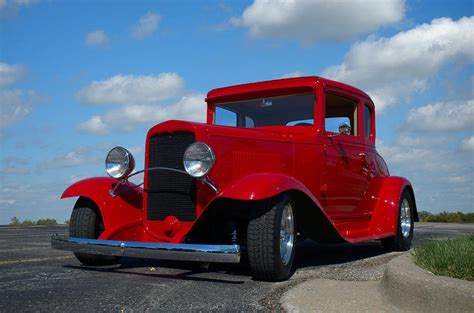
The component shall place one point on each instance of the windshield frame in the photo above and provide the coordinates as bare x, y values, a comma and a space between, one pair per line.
215, 102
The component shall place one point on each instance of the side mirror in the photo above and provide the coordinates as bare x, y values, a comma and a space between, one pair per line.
345, 128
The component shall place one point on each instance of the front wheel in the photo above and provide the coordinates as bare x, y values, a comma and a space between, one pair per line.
402, 240
271, 239
87, 223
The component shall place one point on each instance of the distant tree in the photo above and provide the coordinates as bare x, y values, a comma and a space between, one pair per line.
66, 222
446, 217
15, 221
468, 218
424, 215
28, 222
47, 221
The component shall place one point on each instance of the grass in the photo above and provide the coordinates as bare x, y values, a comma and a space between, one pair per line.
451, 257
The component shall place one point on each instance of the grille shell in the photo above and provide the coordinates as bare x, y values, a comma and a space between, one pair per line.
170, 193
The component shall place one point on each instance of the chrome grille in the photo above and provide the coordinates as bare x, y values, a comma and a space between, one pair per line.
170, 193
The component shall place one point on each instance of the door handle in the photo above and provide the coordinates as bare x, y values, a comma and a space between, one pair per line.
363, 158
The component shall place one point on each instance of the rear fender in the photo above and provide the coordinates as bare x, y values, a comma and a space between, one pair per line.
122, 214
384, 200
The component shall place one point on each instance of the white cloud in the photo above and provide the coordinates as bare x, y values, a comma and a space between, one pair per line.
458, 179
81, 155
94, 125
18, 198
97, 38
191, 107
408, 139
443, 116
420, 159
14, 165
136, 150
292, 74
9, 8
71, 159
75, 178
468, 144
400, 66
15, 105
145, 26
11, 73
130, 89
311, 21
141, 99
7, 201
15, 170
442, 177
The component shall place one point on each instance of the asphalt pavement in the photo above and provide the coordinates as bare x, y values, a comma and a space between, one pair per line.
34, 277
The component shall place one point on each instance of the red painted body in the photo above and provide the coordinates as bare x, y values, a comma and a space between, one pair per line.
343, 176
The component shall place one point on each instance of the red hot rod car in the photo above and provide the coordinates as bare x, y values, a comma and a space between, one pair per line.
275, 159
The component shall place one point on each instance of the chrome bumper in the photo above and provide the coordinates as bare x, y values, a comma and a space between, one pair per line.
149, 250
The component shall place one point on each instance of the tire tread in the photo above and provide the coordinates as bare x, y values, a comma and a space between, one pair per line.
263, 248
84, 224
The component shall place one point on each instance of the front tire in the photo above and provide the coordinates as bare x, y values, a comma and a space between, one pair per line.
405, 225
271, 237
87, 223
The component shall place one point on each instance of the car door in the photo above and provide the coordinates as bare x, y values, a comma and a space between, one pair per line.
369, 156
344, 171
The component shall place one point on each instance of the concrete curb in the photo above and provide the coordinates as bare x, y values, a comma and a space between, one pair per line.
410, 287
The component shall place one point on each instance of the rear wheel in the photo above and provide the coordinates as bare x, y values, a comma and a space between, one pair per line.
271, 239
87, 223
402, 240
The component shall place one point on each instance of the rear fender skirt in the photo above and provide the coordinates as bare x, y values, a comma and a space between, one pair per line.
122, 214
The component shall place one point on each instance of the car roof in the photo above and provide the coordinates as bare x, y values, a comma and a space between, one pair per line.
307, 81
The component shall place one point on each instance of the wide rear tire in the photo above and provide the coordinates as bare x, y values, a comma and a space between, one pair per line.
85, 222
271, 236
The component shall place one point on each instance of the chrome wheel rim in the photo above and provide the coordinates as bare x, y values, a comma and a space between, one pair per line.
405, 218
287, 234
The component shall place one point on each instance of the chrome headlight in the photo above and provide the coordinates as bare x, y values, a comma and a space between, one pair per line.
119, 162
198, 159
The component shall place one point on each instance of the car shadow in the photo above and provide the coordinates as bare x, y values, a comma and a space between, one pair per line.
312, 254
126, 266
308, 254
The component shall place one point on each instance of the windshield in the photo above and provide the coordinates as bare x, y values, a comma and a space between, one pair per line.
288, 110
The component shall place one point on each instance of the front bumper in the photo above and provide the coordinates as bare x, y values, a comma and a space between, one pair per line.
149, 250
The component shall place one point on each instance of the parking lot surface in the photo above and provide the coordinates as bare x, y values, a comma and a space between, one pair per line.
34, 277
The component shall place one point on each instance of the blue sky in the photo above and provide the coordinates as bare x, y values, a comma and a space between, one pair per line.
79, 77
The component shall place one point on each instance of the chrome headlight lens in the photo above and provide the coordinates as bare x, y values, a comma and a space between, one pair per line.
198, 159
119, 162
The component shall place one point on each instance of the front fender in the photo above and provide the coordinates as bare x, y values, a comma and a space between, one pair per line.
264, 185
120, 213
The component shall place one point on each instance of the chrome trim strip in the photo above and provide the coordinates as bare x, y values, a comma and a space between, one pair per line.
149, 250
205, 179
158, 168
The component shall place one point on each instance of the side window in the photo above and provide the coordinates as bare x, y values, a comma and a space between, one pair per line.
340, 110
225, 117
307, 122
249, 123
367, 121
